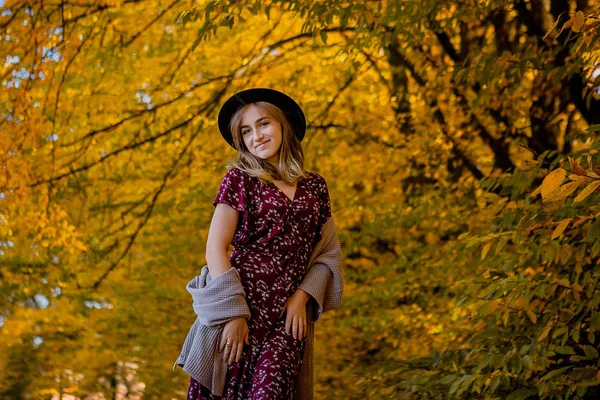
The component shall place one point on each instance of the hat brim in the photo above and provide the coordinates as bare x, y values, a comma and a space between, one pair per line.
291, 109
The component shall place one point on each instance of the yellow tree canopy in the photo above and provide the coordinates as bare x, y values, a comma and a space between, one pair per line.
433, 123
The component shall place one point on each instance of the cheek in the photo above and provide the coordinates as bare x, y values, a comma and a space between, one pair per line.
276, 133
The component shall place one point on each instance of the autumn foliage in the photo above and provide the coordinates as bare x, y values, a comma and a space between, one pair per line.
459, 140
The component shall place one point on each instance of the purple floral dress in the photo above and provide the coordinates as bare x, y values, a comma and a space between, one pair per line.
272, 244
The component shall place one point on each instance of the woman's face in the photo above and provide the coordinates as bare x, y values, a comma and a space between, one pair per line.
261, 134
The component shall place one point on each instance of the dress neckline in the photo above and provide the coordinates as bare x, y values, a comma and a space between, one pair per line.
295, 191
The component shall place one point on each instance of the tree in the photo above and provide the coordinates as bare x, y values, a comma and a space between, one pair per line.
423, 117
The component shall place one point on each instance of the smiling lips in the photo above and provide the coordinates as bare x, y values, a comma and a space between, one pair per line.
262, 144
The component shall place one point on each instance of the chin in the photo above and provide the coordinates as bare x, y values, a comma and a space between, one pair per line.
265, 158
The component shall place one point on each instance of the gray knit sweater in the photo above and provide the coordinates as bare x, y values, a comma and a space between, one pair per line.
217, 302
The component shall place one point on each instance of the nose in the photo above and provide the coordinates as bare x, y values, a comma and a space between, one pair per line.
257, 134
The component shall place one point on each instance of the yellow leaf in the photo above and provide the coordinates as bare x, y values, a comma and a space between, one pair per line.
564, 191
578, 21
553, 27
531, 315
552, 181
574, 177
564, 282
546, 331
589, 189
485, 249
536, 191
560, 228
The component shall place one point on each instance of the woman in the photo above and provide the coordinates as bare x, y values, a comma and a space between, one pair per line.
272, 211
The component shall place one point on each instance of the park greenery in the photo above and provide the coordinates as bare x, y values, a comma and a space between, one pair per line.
460, 144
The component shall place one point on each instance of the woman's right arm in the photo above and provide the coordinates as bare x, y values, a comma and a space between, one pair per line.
220, 234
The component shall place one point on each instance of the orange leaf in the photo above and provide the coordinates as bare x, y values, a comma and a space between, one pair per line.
576, 168
531, 315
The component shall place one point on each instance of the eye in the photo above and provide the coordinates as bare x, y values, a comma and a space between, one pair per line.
264, 123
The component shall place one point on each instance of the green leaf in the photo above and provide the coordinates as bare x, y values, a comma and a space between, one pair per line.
577, 358
324, 36
559, 332
575, 335
590, 352
594, 232
527, 362
463, 235
521, 394
448, 379
565, 350
556, 372
595, 321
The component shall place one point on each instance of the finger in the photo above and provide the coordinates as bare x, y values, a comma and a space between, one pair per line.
305, 327
282, 310
298, 327
288, 322
231, 353
295, 327
240, 349
301, 329
247, 338
227, 349
222, 345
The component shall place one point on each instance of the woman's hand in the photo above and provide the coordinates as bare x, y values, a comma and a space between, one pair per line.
235, 332
295, 309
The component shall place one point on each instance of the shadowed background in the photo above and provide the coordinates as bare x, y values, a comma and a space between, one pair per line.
444, 129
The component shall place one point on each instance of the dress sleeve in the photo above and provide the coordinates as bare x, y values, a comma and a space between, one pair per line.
232, 190
325, 204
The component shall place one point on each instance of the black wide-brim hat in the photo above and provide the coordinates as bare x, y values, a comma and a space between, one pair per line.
290, 108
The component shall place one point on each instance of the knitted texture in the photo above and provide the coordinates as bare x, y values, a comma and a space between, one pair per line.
324, 281
221, 301
215, 303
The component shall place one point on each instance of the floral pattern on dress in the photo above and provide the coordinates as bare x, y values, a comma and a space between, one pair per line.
272, 244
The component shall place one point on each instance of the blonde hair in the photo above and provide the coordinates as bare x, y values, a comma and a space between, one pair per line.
291, 157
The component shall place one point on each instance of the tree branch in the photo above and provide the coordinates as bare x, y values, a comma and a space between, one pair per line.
171, 173
149, 24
